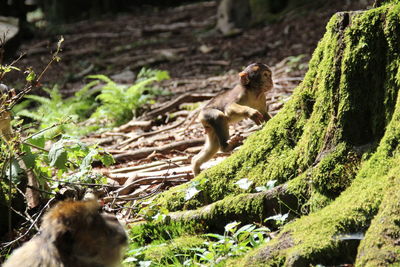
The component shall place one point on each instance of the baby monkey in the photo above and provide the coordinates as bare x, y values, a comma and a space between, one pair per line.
245, 100
73, 234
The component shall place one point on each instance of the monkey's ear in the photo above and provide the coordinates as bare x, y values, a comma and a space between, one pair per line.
244, 78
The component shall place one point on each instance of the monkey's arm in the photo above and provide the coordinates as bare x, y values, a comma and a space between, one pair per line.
236, 112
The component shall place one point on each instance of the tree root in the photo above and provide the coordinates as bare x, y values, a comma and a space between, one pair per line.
246, 208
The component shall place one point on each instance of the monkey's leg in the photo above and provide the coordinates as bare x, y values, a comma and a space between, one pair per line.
222, 132
207, 152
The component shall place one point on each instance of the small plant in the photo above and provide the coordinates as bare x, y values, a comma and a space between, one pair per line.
153, 213
120, 103
270, 184
234, 242
280, 219
244, 183
211, 251
194, 188
56, 110
114, 105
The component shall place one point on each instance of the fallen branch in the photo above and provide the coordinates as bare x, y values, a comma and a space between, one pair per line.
146, 166
130, 198
176, 26
154, 172
194, 6
103, 35
142, 153
136, 174
133, 124
134, 138
211, 62
171, 105
144, 181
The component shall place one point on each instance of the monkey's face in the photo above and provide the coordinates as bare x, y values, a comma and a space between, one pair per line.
257, 75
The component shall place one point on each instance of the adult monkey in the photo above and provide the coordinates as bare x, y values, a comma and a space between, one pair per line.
73, 234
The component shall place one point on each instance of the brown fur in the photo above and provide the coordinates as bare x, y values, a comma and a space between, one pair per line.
73, 234
245, 100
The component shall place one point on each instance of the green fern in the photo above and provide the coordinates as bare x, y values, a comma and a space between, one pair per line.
120, 103
39, 99
55, 110
114, 105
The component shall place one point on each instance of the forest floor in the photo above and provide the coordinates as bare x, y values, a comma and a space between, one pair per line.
153, 151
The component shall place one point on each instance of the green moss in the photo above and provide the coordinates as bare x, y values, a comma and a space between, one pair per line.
380, 246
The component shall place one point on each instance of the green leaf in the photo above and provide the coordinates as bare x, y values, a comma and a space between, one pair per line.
21, 106
216, 236
261, 188
271, 184
84, 91
262, 230
37, 140
31, 76
31, 115
130, 259
16, 171
230, 227
101, 77
244, 183
29, 158
162, 75
8, 68
88, 159
58, 155
191, 192
245, 228
279, 218
107, 159
145, 263
40, 99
